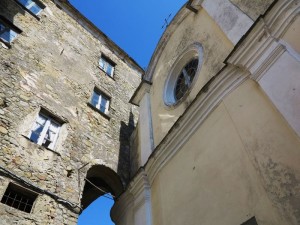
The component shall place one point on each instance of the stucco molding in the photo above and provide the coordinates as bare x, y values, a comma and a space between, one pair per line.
234, 33
136, 197
225, 82
263, 46
232, 21
121, 206
142, 89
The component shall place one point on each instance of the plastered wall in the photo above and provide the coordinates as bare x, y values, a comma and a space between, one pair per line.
194, 28
243, 161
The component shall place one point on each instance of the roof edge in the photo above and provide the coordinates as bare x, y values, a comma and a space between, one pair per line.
96, 32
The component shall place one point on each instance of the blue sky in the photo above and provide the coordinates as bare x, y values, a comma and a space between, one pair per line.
136, 26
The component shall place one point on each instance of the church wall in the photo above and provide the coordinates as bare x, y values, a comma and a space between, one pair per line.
292, 33
54, 64
241, 162
216, 46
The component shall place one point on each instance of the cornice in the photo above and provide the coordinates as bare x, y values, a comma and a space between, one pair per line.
142, 89
120, 208
97, 33
139, 183
228, 79
262, 47
137, 193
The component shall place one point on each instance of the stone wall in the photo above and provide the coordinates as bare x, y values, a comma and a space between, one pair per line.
53, 65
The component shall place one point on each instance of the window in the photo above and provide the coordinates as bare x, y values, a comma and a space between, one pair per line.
32, 6
183, 74
45, 131
185, 79
100, 101
6, 33
107, 65
18, 197
251, 221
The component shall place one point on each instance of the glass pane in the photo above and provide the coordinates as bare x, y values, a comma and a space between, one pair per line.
95, 99
12, 35
54, 127
103, 104
35, 9
25, 2
51, 134
35, 134
41, 120
5, 36
109, 69
38, 128
2, 27
101, 63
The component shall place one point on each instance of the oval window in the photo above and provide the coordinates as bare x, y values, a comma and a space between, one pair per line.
183, 74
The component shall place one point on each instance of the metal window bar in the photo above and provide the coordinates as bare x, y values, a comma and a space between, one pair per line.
17, 201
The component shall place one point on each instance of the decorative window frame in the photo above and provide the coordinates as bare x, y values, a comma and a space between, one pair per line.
101, 94
38, 3
193, 51
10, 27
107, 61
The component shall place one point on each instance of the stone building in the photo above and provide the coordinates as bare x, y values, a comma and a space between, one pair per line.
217, 134
65, 116
218, 137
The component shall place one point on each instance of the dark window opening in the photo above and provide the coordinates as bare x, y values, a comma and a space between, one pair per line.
19, 198
251, 221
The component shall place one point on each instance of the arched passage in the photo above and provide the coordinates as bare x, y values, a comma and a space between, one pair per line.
100, 177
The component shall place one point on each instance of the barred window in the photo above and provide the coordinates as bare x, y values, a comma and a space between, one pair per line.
19, 198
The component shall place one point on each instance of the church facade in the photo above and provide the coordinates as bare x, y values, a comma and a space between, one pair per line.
218, 136
210, 134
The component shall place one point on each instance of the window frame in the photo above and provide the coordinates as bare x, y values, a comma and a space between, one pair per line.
101, 94
42, 136
38, 3
10, 27
190, 53
20, 191
107, 61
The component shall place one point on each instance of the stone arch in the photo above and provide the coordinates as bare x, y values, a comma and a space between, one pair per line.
100, 177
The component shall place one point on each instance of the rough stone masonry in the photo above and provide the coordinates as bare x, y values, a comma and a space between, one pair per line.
53, 66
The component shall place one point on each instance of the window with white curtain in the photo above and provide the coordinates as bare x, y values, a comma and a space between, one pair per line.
45, 131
